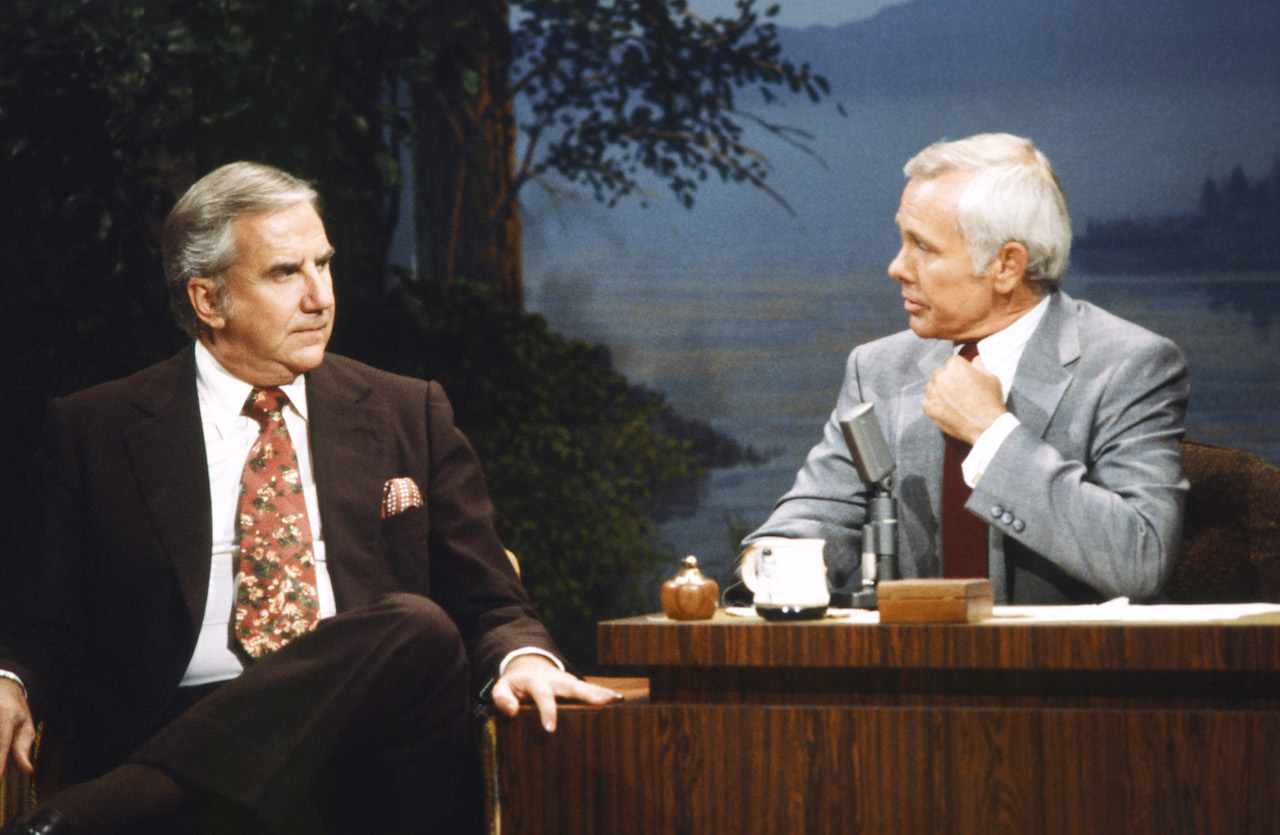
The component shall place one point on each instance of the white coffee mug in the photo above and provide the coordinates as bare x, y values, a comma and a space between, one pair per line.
787, 576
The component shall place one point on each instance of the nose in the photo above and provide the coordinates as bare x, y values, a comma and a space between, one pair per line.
898, 266
319, 290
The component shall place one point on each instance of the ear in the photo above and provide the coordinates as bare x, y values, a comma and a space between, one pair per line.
1009, 267
203, 293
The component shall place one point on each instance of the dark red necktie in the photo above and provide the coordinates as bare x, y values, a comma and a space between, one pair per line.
964, 535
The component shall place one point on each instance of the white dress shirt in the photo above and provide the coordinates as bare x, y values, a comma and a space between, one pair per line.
228, 436
1001, 352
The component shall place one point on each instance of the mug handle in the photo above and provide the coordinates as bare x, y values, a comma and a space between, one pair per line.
748, 562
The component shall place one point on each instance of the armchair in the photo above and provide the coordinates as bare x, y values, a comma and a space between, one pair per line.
1231, 532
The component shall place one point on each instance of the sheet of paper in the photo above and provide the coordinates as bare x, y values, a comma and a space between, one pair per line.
1119, 610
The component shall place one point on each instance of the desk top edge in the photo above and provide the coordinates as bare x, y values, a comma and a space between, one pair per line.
650, 640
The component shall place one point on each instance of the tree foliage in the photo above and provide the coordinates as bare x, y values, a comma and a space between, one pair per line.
1233, 227
569, 448
611, 97
619, 92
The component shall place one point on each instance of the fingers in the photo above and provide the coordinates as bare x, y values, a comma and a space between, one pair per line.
504, 697
562, 685
593, 694
23, 742
6, 737
545, 699
962, 398
509, 690
543, 689
17, 728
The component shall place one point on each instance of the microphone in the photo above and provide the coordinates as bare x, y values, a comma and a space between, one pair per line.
866, 443
875, 465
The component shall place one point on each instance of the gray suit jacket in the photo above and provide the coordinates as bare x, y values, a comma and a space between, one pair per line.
1083, 501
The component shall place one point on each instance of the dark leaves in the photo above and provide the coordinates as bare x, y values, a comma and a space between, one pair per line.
615, 90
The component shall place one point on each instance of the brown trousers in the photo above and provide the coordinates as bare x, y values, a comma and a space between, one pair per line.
361, 725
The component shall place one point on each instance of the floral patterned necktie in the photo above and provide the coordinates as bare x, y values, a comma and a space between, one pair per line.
276, 598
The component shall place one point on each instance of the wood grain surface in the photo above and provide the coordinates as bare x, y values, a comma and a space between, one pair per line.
737, 769
829, 727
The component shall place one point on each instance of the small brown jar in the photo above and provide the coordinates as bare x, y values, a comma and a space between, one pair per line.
690, 595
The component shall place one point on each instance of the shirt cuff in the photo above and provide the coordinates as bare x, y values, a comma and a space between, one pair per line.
984, 449
14, 678
502, 668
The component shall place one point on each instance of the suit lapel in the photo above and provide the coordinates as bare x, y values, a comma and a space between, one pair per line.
918, 450
349, 451
920, 437
1043, 376
166, 450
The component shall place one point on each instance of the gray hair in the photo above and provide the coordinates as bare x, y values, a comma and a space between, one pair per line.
1013, 195
198, 240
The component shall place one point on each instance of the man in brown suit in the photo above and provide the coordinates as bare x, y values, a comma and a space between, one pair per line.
115, 605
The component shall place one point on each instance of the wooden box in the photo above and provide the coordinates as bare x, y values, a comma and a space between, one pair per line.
934, 601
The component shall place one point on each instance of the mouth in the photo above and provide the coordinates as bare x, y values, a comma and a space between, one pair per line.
911, 306
317, 330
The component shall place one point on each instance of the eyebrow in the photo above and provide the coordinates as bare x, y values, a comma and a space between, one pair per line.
286, 267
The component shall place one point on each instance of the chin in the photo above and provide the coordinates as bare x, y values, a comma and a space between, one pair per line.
307, 360
921, 329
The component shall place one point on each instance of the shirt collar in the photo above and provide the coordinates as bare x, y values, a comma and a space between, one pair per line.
1002, 350
224, 394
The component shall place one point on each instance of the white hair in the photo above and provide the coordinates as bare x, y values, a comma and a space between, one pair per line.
1012, 195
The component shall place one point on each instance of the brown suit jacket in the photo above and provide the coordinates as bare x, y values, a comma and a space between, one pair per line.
100, 606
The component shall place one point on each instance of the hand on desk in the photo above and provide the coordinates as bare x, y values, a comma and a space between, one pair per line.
535, 677
17, 729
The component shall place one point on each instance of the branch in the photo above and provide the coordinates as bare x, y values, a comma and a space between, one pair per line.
706, 144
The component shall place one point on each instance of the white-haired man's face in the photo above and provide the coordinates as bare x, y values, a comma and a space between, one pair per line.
279, 308
943, 296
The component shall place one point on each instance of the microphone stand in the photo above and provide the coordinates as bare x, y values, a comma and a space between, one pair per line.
879, 543
875, 465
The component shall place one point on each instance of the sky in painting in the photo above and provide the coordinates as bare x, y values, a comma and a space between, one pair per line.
799, 13
1135, 110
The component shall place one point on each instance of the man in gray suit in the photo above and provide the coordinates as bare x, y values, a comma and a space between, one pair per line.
1074, 415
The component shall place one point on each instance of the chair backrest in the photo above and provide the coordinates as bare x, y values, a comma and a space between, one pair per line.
1231, 533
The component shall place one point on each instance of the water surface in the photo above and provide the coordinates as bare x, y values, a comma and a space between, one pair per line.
761, 355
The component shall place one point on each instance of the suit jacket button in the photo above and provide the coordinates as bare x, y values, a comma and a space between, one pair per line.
1018, 526
1007, 518
996, 511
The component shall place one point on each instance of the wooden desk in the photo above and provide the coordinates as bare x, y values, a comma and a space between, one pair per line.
829, 726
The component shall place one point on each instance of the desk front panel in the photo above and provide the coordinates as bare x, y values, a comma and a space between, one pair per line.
740, 769
831, 727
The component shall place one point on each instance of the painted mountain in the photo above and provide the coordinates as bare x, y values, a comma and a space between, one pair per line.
956, 45
1137, 102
